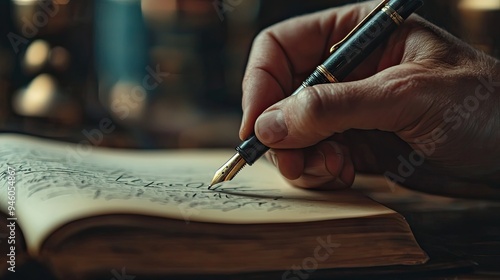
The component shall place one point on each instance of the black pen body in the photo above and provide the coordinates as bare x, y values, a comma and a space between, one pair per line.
363, 42
345, 58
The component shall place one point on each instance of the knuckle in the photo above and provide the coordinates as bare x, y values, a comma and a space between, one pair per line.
405, 95
314, 111
402, 85
263, 35
313, 103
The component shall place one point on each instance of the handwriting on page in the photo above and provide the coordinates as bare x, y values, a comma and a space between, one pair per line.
47, 175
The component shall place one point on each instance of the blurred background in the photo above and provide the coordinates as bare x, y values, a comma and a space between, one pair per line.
156, 73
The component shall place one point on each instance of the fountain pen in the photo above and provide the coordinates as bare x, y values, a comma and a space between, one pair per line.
345, 56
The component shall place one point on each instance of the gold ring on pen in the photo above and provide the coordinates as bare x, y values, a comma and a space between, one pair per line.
397, 18
322, 69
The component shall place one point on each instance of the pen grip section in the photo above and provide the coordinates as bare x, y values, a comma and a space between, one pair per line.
316, 78
251, 149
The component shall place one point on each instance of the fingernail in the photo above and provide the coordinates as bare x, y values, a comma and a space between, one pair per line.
274, 159
315, 164
336, 158
271, 127
335, 146
340, 184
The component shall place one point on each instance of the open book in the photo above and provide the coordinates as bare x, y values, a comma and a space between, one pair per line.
86, 211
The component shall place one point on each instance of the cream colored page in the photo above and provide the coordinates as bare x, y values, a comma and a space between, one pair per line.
59, 182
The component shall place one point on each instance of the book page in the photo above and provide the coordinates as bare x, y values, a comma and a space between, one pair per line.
58, 182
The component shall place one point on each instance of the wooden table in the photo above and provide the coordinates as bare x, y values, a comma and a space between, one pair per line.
467, 230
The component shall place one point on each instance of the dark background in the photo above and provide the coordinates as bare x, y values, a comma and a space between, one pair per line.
75, 69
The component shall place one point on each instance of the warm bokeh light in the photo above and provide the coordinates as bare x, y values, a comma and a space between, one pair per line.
37, 99
127, 101
480, 5
157, 10
31, 2
24, 2
36, 55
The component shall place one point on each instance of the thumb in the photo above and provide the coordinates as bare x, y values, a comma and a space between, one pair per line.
384, 101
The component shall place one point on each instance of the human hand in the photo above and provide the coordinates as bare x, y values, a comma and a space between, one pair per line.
422, 94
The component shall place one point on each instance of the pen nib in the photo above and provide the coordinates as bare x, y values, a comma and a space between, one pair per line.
228, 170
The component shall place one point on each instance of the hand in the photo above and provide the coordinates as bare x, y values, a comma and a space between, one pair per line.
423, 109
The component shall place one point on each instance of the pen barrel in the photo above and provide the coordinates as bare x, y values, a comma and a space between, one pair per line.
363, 42
360, 45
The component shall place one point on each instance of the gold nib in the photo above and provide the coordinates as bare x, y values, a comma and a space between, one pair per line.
228, 170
